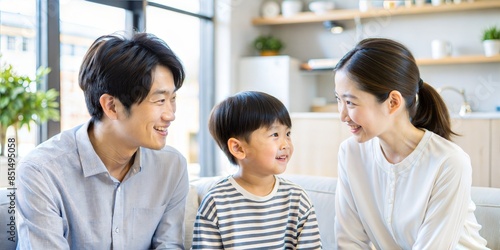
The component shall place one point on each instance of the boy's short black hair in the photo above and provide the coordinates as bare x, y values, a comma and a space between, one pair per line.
123, 67
239, 115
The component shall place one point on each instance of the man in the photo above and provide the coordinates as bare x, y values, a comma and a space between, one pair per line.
111, 183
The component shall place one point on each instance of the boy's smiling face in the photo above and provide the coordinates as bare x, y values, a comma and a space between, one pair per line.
268, 150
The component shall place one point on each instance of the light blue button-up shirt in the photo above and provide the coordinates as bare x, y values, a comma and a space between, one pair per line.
66, 198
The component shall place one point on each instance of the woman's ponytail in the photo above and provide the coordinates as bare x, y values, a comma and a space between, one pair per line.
432, 113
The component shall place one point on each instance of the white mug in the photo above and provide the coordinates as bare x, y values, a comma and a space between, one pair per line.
440, 49
436, 2
291, 7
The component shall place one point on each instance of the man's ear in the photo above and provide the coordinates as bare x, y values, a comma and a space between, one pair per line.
108, 104
236, 148
395, 101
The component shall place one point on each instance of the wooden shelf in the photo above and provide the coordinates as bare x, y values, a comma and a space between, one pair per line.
425, 62
459, 60
351, 14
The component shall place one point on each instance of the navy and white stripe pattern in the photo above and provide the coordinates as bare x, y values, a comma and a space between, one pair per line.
229, 217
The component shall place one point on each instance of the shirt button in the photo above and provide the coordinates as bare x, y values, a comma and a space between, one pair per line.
117, 230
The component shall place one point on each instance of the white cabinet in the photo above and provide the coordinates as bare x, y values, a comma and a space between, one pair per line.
316, 138
495, 153
475, 140
279, 76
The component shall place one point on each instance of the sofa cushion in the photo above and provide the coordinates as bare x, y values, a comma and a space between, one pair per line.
321, 190
197, 190
487, 213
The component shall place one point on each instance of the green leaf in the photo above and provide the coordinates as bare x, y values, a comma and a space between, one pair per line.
268, 43
4, 101
491, 33
21, 104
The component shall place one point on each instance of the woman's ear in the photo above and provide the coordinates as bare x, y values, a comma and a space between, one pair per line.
395, 101
236, 148
108, 104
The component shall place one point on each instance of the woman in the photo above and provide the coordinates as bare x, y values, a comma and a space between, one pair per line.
402, 183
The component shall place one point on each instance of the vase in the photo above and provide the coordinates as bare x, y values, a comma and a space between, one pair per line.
491, 47
269, 53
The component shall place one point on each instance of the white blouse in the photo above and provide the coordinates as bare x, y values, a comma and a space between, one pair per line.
423, 202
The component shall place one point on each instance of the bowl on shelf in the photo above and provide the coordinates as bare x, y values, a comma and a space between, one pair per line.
321, 7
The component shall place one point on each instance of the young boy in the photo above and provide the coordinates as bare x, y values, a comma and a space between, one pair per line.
254, 208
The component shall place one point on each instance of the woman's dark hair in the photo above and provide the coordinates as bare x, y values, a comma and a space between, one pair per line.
380, 65
123, 67
241, 114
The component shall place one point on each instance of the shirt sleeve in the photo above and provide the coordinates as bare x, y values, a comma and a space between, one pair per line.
308, 230
349, 232
206, 233
448, 205
170, 231
41, 225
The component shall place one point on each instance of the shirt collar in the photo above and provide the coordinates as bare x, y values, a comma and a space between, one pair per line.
91, 163
136, 166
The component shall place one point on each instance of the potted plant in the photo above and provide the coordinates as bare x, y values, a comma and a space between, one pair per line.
491, 41
21, 105
268, 45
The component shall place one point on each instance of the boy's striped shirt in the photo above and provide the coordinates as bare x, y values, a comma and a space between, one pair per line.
229, 217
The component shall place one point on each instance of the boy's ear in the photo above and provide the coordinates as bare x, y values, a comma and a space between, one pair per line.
236, 148
108, 104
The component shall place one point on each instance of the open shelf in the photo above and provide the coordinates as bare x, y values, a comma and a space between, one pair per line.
427, 61
351, 14
459, 60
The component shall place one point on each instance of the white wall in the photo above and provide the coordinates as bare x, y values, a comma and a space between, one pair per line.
233, 37
306, 41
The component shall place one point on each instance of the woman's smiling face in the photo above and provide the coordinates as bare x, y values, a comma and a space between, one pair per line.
360, 110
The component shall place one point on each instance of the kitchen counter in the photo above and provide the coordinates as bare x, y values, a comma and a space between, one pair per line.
330, 115
478, 115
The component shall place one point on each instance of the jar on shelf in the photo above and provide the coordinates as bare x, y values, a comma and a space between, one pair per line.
365, 5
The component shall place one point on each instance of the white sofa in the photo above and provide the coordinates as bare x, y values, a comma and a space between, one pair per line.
322, 192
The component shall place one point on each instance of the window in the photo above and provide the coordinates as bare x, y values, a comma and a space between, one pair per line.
11, 43
26, 44
183, 29
17, 29
81, 23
